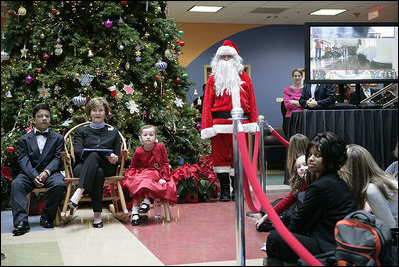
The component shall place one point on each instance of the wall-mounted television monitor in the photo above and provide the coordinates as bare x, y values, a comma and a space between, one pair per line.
351, 52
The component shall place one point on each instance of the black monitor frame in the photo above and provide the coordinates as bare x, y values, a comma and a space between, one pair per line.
308, 25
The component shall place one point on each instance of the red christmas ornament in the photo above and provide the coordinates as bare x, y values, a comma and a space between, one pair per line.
11, 12
53, 10
114, 93
156, 77
177, 41
178, 80
46, 57
10, 149
39, 70
182, 43
124, 2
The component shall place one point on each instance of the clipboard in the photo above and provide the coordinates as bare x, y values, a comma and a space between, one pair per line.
105, 151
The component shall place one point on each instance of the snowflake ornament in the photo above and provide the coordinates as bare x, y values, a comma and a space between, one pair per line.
179, 103
85, 79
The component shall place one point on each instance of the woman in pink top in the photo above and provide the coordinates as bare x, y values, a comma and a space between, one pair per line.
291, 96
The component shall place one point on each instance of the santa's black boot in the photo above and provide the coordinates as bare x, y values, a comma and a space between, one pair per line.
224, 186
232, 185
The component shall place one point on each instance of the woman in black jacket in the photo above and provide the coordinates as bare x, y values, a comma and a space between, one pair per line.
327, 200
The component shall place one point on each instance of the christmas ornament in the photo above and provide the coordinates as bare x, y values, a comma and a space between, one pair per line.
28, 79
156, 77
34, 47
53, 10
177, 42
4, 56
108, 24
179, 102
181, 33
9, 95
77, 75
42, 36
79, 100
85, 79
30, 66
3, 37
67, 122
185, 76
22, 11
46, 57
57, 89
29, 129
167, 91
178, 80
70, 110
121, 47
58, 49
54, 117
27, 101
146, 35
44, 92
128, 88
138, 59
98, 71
181, 161
132, 106
137, 47
114, 93
10, 149
109, 114
112, 88
181, 43
166, 35
118, 97
120, 20
39, 70
195, 92
138, 53
23, 52
90, 54
163, 113
127, 66
155, 84
124, 3
178, 48
161, 65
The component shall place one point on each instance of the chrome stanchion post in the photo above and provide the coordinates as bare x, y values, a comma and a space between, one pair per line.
261, 121
237, 115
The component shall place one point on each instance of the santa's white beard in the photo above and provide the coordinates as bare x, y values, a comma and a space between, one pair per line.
226, 75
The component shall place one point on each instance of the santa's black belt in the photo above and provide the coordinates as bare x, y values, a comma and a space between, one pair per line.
225, 115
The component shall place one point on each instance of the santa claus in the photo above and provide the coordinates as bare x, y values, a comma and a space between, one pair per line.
228, 87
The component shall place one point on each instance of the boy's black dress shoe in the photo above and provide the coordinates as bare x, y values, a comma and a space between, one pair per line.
22, 228
44, 222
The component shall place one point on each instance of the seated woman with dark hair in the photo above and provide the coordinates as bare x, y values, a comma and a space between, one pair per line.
327, 200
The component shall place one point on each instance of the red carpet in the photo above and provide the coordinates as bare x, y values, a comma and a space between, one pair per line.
200, 232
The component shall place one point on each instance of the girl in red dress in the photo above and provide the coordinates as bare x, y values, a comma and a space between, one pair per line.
148, 175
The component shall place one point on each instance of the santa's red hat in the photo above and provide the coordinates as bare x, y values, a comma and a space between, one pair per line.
227, 48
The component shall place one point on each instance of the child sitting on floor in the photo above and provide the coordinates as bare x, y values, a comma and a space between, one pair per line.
148, 174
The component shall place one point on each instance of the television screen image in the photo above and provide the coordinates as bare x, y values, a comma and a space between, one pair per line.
351, 53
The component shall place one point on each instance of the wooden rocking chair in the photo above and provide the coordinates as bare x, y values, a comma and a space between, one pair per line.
68, 158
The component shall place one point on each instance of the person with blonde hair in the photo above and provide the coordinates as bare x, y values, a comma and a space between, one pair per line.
94, 166
298, 144
371, 185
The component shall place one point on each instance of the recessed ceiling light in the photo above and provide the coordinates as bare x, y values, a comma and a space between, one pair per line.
328, 12
205, 8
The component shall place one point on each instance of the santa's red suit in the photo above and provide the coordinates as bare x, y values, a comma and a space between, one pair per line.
216, 112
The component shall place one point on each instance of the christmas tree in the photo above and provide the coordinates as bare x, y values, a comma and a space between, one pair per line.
63, 53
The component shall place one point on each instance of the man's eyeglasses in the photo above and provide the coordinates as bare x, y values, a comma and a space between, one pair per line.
40, 116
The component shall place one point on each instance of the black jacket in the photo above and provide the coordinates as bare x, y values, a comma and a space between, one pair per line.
31, 162
327, 201
87, 137
324, 95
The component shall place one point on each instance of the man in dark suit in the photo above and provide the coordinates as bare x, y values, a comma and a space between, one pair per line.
365, 92
317, 96
39, 160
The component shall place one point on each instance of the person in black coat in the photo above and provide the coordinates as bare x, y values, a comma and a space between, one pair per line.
93, 167
327, 200
322, 97
365, 92
39, 160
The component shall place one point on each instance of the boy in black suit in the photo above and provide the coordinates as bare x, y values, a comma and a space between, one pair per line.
39, 160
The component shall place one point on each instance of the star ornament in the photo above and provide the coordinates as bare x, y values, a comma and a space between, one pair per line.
133, 107
24, 51
128, 89
179, 103
44, 92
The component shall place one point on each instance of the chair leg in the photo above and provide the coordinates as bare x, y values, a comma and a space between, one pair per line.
167, 211
28, 206
58, 217
64, 217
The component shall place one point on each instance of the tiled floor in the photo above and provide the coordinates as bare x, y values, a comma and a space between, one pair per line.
199, 234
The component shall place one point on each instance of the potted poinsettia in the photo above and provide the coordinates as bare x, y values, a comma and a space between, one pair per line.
196, 182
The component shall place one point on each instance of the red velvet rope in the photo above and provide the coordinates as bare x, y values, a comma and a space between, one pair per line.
295, 245
281, 139
254, 208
